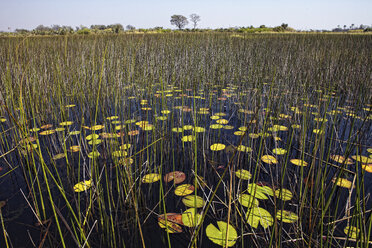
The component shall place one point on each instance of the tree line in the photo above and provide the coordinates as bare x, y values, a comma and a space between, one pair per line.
180, 22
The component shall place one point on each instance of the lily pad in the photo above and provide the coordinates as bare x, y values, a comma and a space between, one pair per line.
177, 176
193, 201
243, 174
343, 182
341, 159
298, 162
83, 186
268, 159
257, 215
279, 151
217, 147
191, 218
362, 159
224, 234
184, 189
248, 200
243, 148
151, 178
187, 138
352, 231
169, 226
284, 194
286, 216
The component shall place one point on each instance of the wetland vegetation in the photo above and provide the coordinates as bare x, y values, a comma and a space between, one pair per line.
186, 140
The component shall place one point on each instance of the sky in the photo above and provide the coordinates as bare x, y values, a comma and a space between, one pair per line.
299, 14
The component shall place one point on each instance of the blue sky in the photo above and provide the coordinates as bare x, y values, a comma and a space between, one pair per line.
300, 14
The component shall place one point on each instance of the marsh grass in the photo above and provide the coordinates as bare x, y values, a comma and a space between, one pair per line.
317, 86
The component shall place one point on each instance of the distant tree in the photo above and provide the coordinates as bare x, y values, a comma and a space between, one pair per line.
130, 27
195, 18
262, 26
21, 31
116, 28
179, 21
284, 26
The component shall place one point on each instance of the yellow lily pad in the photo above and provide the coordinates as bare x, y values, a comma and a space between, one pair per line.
352, 231
97, 127
362, 159
169, 226
216, 126
184, 189
187, 138
151, 178
298, 162
83, 186
268, 159
279, 151
341, 159
343, 182
66, 123
217, 147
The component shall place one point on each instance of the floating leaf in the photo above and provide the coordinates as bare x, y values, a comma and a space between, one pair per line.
60, 129
151, 178
165, 112
92, 136
119, 153
243, 148
187, 138
125, 146
343, 182
238, 133
74, 132
257, 191
216, 126
126, 161
66, 123
193, 201
74, 148
228, 127
362, 159
318, 131
177, 129
169, 226
268, 159
217, 147
279, 151
218, 235
258, 215
97, 127
95, 142
161, 118
248, 200
184, 189
253, 135
110, 118
341, 159
367, 167
215, 117
83, 186
199, 129
243, 129
191, 218
58, 156
94, 154
283, 194
187, 127
222, 121
352, 231
47, 132
298, 162
46, 126
286, 216
243, 174
177, 176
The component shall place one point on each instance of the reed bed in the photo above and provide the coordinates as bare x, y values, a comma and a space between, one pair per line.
186, 140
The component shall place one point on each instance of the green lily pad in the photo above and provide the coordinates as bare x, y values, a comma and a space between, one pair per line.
224, 234
284, 194
243, 174
193, 201
151, 178
83, 186
286, 216
257, 215
248, 201
191, 218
